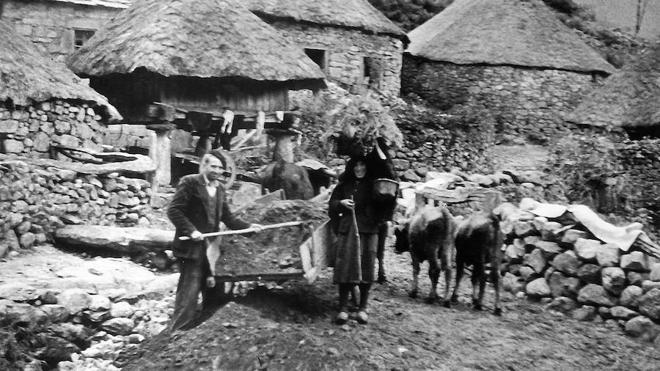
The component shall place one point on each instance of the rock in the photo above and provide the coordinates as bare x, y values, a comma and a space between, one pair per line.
535, 260
586, 249
56, 350
97, 317
74, 300
118, 326
561, 285
649, 304
655, 272
514, 253
410, 176
99, 303
18, 292
641, 327
630, 296
608, 255
71, 332
117, 239
538, 288
648, 285
562, 304
635, 261
11, 312
27, 240
620, 312
512, 283
524, 228
596, 295
549, 249
121, 309
614, 280
570, 236
566, 262
548, 231
585, 313
12, 240
4, 249
55, 312
482, 180
527, 273
135, 338
589, 273
636, 278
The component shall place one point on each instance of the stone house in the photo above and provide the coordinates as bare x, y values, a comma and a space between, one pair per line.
515, 58
43, 103
629, 99
353, 42
59, 26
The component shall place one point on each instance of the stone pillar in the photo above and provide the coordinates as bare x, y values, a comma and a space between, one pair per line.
161, 153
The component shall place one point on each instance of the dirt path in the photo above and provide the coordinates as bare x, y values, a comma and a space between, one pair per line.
292, 329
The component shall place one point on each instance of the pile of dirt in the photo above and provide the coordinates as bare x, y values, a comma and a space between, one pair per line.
273, 250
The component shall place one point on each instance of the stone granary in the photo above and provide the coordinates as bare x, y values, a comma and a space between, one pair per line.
43, 103
353, 42
196, 58
59, 27
629, 99
515, 58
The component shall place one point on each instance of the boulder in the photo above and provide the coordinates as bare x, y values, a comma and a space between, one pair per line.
566, 262
121, 309
636, 278
624, 313
561, 285
571, 236
642, 327
655, 272
524, 228
635, 261
549, 231
630, 296
482, 180
410, 176
97, 317
99, 303
18, 292
649, 304
514, 253
74, 333
596, 295
589, 273
586, 249
512, 283
118, 326
562, 304
614, 279
55, 350
585, 313
608, 255
549, 249
535, 260
527, 273
648, 285
55, 312
115, 239
538, 288
74, 300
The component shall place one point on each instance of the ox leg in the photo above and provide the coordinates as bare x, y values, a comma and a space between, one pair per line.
415, 281
459, 276
477, 276
434, 274
446, 266
496, 283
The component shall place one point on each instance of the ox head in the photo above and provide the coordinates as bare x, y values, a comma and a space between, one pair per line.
401, 243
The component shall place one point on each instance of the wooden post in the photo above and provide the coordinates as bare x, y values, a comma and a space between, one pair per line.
161, 153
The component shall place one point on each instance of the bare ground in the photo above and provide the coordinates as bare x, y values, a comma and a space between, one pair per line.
292, 329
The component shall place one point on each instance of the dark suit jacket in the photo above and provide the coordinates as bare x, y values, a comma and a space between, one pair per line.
189, 211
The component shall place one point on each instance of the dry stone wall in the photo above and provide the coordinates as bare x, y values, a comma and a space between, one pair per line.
30, 131
526, 102
36, 200
346, 51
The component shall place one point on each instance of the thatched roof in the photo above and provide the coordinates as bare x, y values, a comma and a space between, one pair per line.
503, 32
355, 14
27, 76
194, 38
629, 98
119, 4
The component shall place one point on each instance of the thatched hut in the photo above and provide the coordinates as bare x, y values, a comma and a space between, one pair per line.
353, 42
201, 56
513, 57
44, 103
629, 99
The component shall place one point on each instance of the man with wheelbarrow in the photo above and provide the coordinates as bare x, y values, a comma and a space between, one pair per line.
197, 208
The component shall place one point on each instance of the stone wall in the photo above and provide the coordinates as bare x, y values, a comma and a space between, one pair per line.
526, 102
31, 130
346, 51
35, 200
51, 25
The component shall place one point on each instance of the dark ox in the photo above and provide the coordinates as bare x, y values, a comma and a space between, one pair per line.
478, 242
428, 235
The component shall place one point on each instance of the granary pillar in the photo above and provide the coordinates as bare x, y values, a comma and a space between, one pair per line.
161, 153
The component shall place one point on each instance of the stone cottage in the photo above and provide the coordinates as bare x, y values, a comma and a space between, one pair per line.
185, 54
59, 26
513, 57
629, 99
44, 103
352, 42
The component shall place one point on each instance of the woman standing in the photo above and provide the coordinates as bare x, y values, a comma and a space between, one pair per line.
356, 219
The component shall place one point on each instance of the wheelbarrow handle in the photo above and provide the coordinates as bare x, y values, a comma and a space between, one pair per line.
248, 230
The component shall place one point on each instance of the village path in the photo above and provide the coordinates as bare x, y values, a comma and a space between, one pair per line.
292, 329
